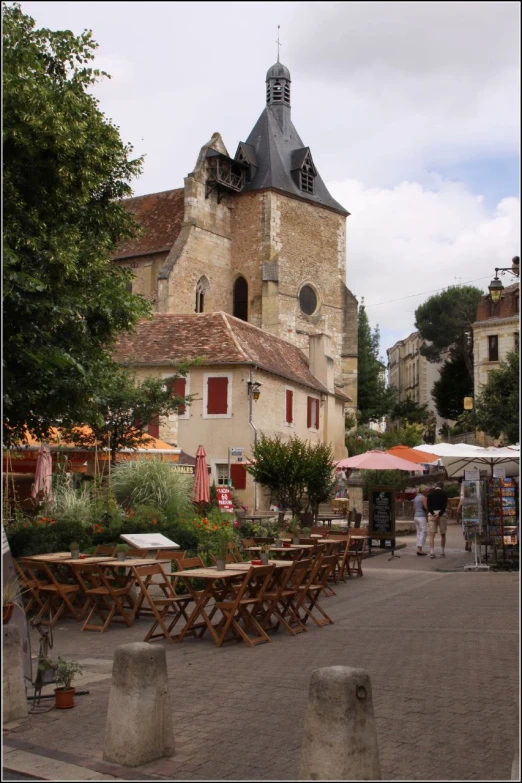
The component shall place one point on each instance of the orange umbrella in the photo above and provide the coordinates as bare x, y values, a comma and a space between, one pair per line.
201, 481
412, 455
377, 460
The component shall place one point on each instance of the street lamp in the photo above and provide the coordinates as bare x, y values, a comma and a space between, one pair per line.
495, 288
254, 389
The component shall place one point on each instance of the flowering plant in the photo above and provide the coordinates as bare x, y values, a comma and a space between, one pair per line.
214, 533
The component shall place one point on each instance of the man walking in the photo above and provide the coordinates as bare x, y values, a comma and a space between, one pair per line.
437, 501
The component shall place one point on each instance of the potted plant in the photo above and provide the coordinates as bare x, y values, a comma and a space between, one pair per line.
307, 532
221, 537
121, 551
10, 593
265, 553
277, 540
294, 527
75, 550
65, 674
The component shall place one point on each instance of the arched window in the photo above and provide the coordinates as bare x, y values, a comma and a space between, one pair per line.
241, 299
201, 291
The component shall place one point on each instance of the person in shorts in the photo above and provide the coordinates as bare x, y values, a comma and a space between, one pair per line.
437, 502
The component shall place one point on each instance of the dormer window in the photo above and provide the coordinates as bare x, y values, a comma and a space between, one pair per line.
307, 175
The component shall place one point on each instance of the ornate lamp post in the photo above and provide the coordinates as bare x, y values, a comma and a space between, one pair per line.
495, 288
254, 392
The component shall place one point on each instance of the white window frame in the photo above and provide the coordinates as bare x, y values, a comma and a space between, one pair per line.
215, 476
285, 422
313, 428
186, 415
206, 377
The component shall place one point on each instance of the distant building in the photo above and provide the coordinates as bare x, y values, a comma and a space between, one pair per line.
495, 333
411, 374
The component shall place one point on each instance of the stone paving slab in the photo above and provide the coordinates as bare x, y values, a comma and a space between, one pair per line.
441, 649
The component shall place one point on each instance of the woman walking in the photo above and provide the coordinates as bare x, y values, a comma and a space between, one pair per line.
420, 514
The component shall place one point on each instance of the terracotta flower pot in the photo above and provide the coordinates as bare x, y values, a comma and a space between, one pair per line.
64, 698
7, 612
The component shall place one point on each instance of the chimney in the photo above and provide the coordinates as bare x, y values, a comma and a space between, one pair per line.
320, 359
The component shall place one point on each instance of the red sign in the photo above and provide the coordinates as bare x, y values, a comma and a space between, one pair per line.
224, 499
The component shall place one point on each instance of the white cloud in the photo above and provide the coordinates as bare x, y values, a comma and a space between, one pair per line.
410, 239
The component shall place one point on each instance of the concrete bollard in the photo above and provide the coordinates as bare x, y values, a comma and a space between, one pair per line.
515, 767
340, 738
14, 695
139, 718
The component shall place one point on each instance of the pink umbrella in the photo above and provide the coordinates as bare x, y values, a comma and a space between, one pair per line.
378, 460
43, 474
201, 492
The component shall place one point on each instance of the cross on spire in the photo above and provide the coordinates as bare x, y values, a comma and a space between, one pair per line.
279, 44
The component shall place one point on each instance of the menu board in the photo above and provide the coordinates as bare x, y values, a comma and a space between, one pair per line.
382, 512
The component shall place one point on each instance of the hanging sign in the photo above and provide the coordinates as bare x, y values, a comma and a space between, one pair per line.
224, 499
472, 475
499, 472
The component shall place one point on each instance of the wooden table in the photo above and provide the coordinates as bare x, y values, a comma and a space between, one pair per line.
51, 556
329, 518
210, 591
259, 517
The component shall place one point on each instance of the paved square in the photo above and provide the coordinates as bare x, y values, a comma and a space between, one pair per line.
440, 645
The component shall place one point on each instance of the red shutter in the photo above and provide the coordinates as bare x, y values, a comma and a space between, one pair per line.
309, 412
153, 428
217, 395
238, 476
179, 390
317, 414
289, 406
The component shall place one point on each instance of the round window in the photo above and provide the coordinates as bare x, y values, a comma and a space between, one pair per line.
308, 300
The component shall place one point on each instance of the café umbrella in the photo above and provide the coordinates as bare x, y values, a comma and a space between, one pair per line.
201, 492
412, 455
378, 460
43, 474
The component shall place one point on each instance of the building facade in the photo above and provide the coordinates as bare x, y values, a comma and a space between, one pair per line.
411, 374
257, 236
297, 395
495, 333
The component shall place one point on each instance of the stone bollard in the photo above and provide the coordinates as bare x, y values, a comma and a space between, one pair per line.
340, 737
139, 718
515, 767
14, 696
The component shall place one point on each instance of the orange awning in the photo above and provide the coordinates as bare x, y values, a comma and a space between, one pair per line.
412, 455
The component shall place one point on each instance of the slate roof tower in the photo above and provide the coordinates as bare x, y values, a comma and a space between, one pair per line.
274, 152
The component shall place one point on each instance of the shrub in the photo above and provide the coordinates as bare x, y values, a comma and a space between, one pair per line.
71, 505
153, 483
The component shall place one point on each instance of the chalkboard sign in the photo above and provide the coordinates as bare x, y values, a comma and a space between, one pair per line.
382, 513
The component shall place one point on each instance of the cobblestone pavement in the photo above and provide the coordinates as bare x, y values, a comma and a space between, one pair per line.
440, 645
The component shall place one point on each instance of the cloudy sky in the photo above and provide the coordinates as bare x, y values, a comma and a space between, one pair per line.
411, 110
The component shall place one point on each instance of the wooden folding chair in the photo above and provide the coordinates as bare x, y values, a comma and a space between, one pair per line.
246, 543
30, 586
53, 591
230, 558
263, 540
308, 599
105, 549
342, 565
279, 598
232, 548
244, 605
175, 556
136, 554
307, 541
104, 597
358, 548
159, 605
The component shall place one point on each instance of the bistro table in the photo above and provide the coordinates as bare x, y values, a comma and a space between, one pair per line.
329, 518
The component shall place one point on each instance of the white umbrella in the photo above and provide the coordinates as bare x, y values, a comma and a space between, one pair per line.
458, 457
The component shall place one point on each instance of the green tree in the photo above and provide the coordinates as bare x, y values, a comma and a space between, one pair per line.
320, 481
444, 322
65, 172
410, 412
497, 405
374, 400
292, 469
122, 406
454, 383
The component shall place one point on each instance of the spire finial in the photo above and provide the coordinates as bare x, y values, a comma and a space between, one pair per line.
279, 44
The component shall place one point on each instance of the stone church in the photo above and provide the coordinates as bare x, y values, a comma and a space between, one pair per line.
256, 236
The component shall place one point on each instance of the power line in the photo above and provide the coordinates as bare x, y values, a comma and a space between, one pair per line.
422, 293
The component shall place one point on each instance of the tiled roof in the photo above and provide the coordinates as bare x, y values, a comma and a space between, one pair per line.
218, 338
160, 216
505, 308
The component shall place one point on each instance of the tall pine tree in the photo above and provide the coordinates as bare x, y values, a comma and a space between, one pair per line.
374, 400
